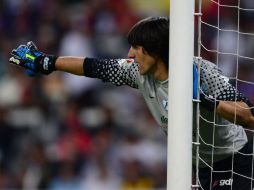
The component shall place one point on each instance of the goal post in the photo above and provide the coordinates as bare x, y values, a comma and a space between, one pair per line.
181, 52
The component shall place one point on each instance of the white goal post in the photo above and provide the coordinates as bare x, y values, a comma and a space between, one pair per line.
181, 52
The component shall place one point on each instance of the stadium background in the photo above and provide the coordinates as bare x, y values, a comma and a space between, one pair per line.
69, 132
66, 132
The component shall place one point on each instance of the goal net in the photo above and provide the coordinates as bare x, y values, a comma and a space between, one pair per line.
225, 36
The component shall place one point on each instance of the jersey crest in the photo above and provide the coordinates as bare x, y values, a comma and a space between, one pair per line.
165, 104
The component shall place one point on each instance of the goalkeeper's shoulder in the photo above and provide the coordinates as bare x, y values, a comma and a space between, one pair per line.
205, 64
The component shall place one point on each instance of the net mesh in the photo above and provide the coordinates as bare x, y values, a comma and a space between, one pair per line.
224, 36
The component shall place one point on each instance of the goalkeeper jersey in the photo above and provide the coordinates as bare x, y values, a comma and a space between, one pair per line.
125, 72
219, 137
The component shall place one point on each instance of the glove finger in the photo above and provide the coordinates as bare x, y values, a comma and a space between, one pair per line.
14, 52
17, 61
20, 52
17, 53
25, 54
22, 46
31, 46
22, 49
33, 49
14, 60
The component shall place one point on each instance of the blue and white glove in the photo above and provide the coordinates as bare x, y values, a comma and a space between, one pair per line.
29, 57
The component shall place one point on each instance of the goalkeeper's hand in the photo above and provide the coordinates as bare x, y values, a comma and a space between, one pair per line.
29, 57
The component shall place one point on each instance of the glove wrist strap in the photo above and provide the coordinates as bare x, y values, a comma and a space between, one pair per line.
47, 64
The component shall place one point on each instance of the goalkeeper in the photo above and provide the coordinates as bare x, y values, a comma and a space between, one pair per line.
147, 70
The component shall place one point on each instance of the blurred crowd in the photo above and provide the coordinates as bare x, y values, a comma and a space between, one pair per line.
64, 132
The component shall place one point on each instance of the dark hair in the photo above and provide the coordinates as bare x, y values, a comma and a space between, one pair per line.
153, 35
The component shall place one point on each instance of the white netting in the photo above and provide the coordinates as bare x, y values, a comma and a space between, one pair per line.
225, 36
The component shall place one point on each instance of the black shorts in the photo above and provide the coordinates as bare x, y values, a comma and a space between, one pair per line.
223, 178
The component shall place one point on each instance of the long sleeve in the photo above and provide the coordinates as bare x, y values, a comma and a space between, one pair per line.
116, 71
215, 84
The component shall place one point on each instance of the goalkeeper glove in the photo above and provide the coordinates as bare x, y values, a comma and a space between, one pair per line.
29, 57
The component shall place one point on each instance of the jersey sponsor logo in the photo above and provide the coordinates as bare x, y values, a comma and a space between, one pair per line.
223, 182
226, 182
16, 61
46, 63
164, 120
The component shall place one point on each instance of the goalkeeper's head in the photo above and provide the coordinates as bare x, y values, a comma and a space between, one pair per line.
153, 35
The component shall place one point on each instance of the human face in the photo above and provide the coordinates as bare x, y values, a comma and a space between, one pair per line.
145, 62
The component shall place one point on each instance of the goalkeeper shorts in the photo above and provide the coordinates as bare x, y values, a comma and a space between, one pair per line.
233, 173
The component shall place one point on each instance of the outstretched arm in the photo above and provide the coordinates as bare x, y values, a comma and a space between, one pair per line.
239, 112
73, 65
116, 71
236, 112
